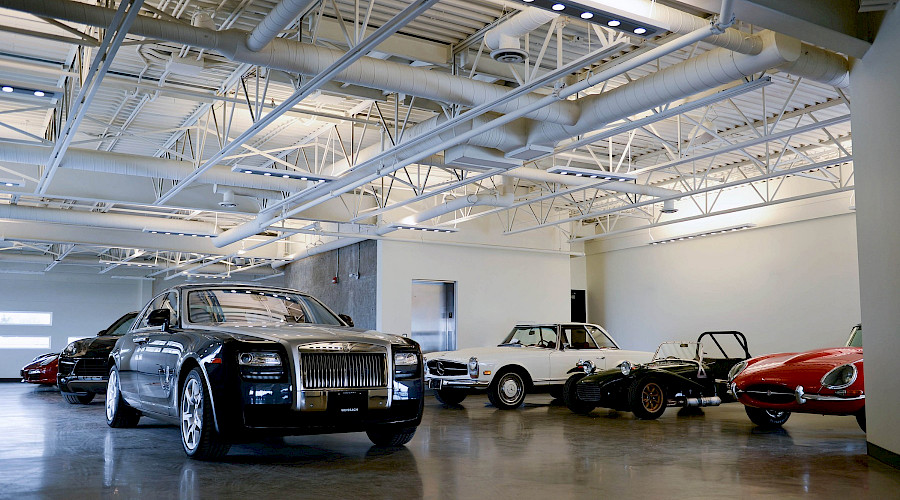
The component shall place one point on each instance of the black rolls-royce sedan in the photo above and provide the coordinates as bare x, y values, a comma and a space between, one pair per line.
230, 363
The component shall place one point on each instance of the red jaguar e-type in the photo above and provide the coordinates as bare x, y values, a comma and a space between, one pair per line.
824, 381
42, 369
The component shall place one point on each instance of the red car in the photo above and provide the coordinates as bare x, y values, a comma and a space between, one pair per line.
824, 381
42, 369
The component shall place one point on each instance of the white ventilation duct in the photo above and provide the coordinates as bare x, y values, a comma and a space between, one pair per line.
821, 66
538, 175
276, 20
104, 220
143, 166
503, 40
472, 200
99, 262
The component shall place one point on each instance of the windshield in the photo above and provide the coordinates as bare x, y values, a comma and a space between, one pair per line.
256, 307
855, 337
532, 336
123, 326
676, 351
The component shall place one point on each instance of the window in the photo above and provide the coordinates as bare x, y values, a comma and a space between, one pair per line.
123, 327
601, 338
26, 318
22, 342
533, 336
255, 307
580, 339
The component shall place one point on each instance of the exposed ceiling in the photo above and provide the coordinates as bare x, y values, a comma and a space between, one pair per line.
124, 141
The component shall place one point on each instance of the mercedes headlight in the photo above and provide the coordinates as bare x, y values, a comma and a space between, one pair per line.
259, 358
405, 359
736, 370
626, 367
473, 367
840, 377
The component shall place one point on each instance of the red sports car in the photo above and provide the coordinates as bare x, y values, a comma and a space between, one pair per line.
824, 381
42, 369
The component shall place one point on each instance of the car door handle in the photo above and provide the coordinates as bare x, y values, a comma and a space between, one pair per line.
140, 340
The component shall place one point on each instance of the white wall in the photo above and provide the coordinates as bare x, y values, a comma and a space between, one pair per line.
876, 120
82, 304
495, 288
790, 287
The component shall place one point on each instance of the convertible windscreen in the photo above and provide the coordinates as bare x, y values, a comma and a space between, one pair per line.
532, 336
255, 307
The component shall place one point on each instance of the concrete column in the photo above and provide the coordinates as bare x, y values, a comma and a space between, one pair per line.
875, 107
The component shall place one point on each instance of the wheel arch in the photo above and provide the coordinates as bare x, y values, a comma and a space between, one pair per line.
521, 370
188, 364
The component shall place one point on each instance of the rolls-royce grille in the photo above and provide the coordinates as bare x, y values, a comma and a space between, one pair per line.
770, 393
443, 368
588, 392
333, 370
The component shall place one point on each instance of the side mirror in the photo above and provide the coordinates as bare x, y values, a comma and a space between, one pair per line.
159, 317
347, 319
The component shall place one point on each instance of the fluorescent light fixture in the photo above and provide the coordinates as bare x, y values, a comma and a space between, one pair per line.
129, 263
591, 173
618, 14
176, 233
703, 234
7, 88
26, 318
284, 174
16, 89
12, 183
203, 275
22, 342
427, 229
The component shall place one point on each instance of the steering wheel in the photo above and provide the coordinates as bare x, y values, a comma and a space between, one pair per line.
543, 343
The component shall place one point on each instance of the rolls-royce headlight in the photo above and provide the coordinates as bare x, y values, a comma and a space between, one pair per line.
736, 370
840, 377
473, 367
626, 367
259, 358
405, 359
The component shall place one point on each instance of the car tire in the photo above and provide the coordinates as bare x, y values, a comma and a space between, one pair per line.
570, 396
647, 398
390, 435
450, 397
861, 419
78, 399
118, 413
556, 392
507, 391
198, 432
767, 419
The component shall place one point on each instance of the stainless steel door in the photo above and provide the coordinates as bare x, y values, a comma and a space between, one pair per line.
433, 315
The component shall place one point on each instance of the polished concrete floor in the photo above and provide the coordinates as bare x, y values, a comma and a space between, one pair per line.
51, 449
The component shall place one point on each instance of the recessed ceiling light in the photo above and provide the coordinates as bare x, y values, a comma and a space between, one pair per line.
640, 31
38, 93
558, 6
7, 88
613, 23
587, 15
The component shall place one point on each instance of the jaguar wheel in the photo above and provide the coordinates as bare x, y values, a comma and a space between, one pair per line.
78, 399
570, 396
118, 413
450, 397
507, 391
647, 398
198, 434
767, 419
390, 435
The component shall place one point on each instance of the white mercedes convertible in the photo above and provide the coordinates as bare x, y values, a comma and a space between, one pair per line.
531, 357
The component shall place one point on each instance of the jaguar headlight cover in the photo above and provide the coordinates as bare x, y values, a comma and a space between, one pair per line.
259, 358
405, 359
736, 370
473, 367
841, 377
626, 367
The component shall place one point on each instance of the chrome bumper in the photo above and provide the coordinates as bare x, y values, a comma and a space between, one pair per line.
802, 397
454, 383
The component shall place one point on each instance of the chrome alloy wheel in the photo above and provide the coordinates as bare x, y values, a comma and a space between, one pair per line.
112, 394
191, 413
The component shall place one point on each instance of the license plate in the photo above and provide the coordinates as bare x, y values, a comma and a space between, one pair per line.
348, 402
434, 383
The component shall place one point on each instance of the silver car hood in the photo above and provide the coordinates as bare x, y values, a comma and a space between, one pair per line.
299, 334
